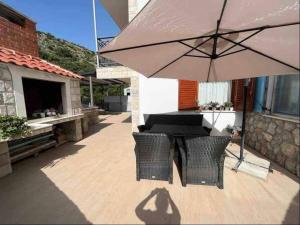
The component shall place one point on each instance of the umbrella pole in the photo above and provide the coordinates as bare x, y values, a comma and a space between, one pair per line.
241, 158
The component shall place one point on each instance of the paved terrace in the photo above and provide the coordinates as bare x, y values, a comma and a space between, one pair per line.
93, 181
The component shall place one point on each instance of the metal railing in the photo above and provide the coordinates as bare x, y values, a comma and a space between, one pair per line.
103, 62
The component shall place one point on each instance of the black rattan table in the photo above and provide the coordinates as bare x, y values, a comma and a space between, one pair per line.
178, 130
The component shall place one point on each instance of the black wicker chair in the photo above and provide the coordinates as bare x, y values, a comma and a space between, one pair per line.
202, 160
154, 156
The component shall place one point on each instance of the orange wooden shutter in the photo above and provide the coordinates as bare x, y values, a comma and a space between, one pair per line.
237, 94
188, 94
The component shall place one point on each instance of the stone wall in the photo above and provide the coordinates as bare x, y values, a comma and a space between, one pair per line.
75, 97
277, 139
7, 99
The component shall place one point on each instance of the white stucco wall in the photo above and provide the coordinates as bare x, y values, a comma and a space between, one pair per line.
219, 120
157, 96
19, 72
141, 4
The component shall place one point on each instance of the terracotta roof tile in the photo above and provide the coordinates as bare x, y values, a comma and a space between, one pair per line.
20, 59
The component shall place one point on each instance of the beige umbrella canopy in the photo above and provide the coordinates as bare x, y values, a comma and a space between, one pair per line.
210, 40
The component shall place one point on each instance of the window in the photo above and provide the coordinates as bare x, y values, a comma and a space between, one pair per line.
286, 95
214, 92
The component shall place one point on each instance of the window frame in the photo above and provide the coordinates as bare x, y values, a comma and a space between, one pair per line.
271, 97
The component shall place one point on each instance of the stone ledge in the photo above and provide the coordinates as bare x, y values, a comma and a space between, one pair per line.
90, 109
56, 120
281, 118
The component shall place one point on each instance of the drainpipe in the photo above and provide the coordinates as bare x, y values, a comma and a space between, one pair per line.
91, 93
259, 94
95, 32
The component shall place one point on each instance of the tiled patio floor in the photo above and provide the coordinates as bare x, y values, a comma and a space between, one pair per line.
93, 181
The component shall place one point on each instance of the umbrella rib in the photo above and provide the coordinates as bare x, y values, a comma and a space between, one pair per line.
198, 56
230, 53
154, 44
215, 36
221, 16
263, 54
195, 48
220, 54
259, 28
210, 63
173, 61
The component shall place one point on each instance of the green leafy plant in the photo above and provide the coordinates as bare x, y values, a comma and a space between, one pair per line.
227, 104
214, 104
11, 126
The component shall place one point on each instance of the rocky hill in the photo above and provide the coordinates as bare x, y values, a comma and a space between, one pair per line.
66, 54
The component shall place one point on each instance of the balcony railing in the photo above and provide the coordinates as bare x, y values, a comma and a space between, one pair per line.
103, 62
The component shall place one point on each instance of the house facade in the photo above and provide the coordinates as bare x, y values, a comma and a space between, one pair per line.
272, 123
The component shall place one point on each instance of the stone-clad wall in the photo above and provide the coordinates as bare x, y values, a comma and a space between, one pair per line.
7, 99
275, 138
75, 97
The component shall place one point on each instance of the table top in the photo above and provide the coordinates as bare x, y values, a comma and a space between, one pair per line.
178, 130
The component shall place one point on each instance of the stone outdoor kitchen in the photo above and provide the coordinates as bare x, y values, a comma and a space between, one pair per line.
46, 94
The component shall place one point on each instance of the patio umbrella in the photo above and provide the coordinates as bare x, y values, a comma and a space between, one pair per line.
211, 40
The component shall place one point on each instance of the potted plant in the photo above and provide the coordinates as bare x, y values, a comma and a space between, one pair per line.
12, 126
214, 105
228, 106
218, 106
209, 106
204, 107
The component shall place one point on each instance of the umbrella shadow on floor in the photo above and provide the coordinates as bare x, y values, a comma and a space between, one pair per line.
292, 215
160, 215
127, 120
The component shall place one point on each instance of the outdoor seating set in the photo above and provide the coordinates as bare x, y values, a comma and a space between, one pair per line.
198, 156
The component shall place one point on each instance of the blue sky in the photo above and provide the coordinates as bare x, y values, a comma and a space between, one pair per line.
71, 20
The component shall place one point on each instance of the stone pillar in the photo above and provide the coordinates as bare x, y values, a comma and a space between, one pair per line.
85, 124
5, 165
7, 98
135, 105
91, 117
75, 97
73, 130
